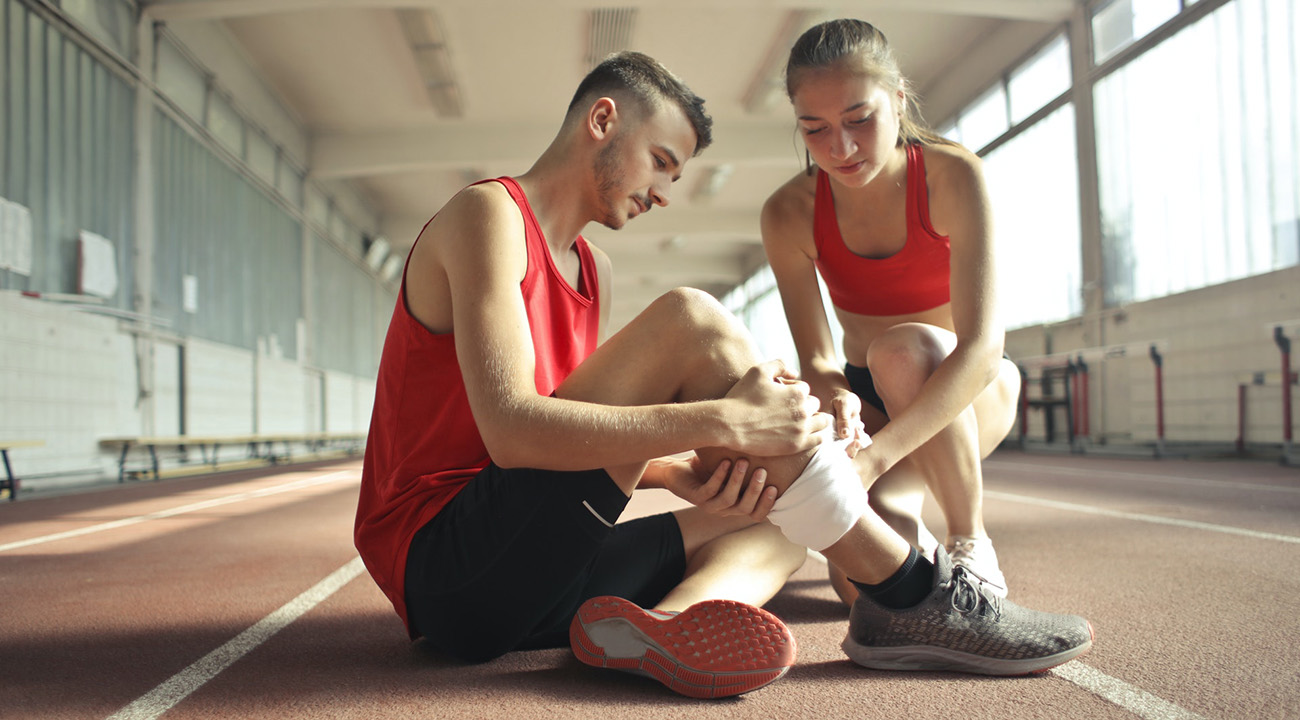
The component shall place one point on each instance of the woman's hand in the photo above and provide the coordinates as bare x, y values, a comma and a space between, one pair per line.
725, 491
846, 406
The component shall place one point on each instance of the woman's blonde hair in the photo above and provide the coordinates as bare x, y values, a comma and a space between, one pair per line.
835, 41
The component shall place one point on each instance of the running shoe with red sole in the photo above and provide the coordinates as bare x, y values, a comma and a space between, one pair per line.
712, 649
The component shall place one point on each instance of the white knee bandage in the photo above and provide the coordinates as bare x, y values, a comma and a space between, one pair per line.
823, 502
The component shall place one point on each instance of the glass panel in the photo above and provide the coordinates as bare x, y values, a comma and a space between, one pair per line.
243, 250
950, 131
985, 119
290, 183
1197, 155
108, 21
1116, 25
317, 207
1034, 189
225, 124
261, 156
1040, 80
180, 81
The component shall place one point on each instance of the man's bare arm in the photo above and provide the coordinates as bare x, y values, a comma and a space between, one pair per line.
477, 247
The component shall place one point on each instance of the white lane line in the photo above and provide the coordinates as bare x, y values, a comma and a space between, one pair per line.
182, 684
1137, 701
1144, 477
1074, 507
181, 510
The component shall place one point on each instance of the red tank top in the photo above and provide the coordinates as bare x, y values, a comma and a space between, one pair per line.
911, 280
423, 445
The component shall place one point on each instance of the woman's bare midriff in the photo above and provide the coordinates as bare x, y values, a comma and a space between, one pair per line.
861, 330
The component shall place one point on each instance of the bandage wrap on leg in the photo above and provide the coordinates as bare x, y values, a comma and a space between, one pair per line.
823, 502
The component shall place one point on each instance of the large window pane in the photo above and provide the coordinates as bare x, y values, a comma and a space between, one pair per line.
225, 124
1118, 24
1040, 80
261, 156
182, 83
1033, 185
109, 21
1197, 155
985, 119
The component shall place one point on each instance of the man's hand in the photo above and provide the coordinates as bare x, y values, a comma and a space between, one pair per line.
724, 491
776, 414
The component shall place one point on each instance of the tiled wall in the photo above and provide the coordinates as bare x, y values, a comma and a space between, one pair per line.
69, 378
218, 389
62, 376
281, 397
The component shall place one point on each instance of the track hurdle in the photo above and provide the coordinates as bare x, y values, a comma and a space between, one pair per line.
1074, 369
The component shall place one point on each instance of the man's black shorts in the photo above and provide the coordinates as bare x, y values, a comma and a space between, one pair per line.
507, 563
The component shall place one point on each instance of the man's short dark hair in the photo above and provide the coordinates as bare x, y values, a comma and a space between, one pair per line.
650, 83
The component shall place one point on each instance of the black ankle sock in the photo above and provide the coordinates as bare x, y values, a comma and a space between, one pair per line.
906, 587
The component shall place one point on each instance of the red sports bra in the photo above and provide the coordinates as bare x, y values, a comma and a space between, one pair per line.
911, 280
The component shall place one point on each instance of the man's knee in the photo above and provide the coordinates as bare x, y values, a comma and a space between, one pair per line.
695, 309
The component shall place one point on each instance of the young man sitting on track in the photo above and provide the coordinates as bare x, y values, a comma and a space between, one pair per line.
506, 440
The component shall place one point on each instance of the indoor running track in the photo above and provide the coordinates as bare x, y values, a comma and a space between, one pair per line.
240, 595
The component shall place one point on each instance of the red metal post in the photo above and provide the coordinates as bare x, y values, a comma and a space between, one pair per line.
1083, 398
1241, 419
1284, 344
1160, 398
1024, 405
1075, 410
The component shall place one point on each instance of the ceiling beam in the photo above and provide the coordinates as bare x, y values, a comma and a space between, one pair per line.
458, 145
1037, 10
442, 147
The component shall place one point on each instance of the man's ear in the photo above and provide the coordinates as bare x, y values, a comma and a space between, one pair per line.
602, 118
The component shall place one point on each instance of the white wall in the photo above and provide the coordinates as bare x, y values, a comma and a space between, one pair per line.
1214, 335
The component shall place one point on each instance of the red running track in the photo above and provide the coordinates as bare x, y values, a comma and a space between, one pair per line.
239, 595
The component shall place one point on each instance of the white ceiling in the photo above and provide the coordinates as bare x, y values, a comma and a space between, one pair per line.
347, 71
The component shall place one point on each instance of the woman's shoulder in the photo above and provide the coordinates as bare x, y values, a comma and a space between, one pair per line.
794, 201
949, 163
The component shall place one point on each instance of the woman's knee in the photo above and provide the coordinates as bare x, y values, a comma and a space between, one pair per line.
902, 358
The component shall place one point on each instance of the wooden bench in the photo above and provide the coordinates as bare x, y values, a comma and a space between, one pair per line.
259, 446
10, 481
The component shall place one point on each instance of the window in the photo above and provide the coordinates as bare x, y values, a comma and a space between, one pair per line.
1033, 182
180, 81
1198, 154
225, 123
1117, 24
984, 120
111, 22
1040, 80
261, 156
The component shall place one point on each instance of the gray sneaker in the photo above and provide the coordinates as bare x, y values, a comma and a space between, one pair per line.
961, 626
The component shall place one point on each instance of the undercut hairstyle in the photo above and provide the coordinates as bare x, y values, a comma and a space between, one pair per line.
649, 84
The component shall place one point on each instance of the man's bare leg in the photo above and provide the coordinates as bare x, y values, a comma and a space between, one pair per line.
686, 347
